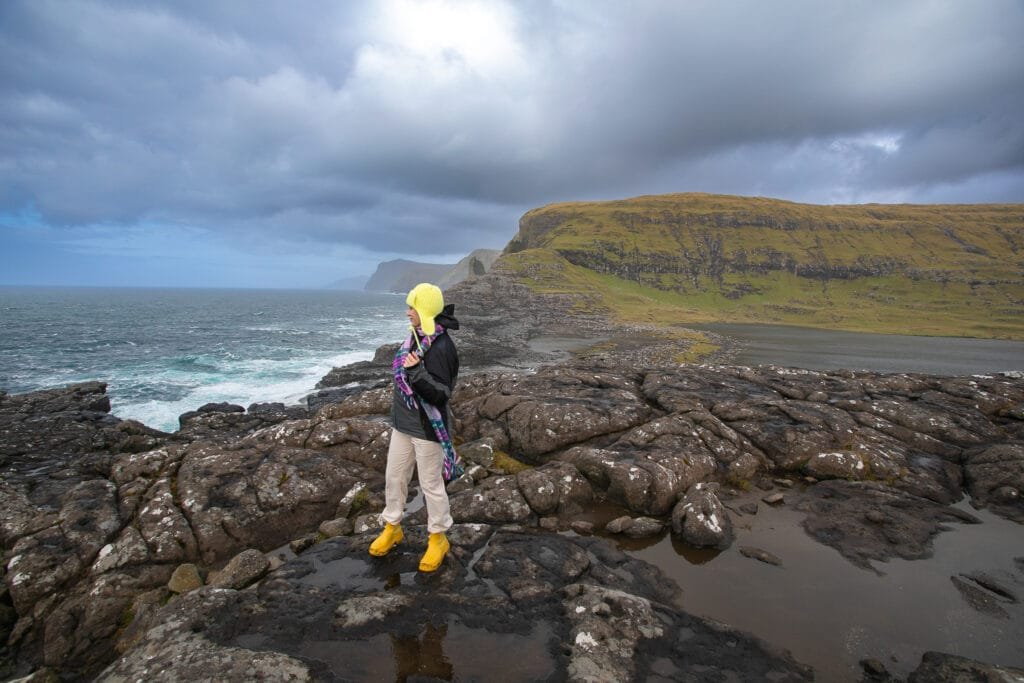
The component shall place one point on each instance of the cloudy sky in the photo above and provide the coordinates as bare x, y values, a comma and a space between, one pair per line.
291, 144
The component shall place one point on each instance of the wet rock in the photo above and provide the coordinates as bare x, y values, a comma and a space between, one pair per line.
992, 585
253, 497
995, 477
509, 605
78, 625
874, 670
549, 523
356, 376
602, 645
538, 490
361, 610
582, 527
644, 527
496, 501
166, 530
837, 515
479, 452
749, 508
837, 465
218, 422
371, 398
463, 483
177, 649
619, 525
774, 499
762, 555
127, 550
185, 578
350, 501
478, 472
701, 520
981, 600
336, 527
368, 522
536, 414
303, 543
243, 569
142, 616
875, 517
939, 667
88, 501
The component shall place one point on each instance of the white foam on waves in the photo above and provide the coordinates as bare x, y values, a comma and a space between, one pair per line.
251, 381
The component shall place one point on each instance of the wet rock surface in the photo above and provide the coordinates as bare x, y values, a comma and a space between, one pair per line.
868, 521
939, 667
534, 606
96, 512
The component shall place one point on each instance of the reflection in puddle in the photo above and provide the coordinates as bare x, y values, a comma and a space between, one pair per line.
451, 651
422, 656
355, 574
831, 614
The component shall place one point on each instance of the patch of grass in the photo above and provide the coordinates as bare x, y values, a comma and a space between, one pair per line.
507, 464
359, 502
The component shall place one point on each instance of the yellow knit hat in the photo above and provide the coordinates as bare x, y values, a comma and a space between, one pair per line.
428, 301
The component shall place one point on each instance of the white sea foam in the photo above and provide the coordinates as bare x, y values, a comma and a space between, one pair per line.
168, 352
255, 380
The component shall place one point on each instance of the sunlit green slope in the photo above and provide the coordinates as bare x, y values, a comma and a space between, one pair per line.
912, 269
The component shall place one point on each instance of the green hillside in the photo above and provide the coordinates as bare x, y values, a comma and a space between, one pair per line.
675, 259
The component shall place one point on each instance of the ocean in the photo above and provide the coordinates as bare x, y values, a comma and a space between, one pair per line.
164, 352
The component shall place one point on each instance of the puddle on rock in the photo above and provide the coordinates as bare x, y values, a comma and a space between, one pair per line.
449, 652
354, 573
829, 613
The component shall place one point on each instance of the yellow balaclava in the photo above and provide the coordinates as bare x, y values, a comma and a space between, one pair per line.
428, 301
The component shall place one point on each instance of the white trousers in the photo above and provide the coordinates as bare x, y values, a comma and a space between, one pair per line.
404, 453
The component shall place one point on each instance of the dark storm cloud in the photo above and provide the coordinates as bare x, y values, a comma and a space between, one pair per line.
379, 124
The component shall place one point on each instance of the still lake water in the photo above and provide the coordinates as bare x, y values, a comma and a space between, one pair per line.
816, 349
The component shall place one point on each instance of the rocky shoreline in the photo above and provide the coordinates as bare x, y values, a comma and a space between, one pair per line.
131, 553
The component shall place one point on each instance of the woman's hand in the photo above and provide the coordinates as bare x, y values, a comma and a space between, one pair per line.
411, 359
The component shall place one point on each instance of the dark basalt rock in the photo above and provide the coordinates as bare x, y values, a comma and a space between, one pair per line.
96, 512
844, 515
533, 606
939, 667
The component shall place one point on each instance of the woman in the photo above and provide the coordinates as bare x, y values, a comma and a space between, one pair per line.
425, 369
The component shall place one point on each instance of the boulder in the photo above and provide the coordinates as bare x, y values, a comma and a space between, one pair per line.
701, 520
336, 527
243, 569
496, 501
185, 578
644, 527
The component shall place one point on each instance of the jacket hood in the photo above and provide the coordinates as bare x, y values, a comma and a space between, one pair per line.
446, 318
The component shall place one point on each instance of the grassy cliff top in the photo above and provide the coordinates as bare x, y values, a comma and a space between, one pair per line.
913, 269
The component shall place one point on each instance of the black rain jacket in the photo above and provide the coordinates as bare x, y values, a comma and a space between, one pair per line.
433, 380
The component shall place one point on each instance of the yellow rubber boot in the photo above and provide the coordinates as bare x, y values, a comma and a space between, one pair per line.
437, 548
387, 540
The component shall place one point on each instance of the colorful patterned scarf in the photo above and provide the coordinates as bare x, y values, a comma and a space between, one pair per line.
452, 467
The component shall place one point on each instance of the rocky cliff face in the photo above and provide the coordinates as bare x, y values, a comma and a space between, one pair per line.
477, 263
401, 275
